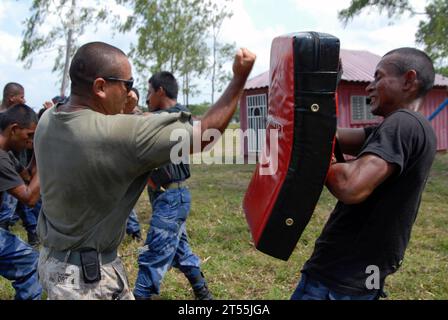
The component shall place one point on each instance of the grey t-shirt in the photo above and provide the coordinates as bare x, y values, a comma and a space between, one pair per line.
9, 173
92, 170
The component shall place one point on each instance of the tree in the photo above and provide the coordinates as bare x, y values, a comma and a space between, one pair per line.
199, 110
432, 31
221, 52
171, 36
72, 18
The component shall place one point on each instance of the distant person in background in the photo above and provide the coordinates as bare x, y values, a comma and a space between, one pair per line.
133, 225
48, 104
13, 93
131, 106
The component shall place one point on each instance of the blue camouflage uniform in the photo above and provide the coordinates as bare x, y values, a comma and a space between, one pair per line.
133, 225
18, 263
7, 210
10, 211
18, 260
29, 215
167, 244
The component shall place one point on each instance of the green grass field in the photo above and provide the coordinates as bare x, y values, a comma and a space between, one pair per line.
236, 270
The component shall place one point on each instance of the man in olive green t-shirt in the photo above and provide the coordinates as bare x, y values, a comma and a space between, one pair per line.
93, 163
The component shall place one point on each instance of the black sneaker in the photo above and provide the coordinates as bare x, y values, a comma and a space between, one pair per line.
33, 239
202, 293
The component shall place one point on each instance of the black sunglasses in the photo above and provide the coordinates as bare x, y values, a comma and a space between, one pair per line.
128, 83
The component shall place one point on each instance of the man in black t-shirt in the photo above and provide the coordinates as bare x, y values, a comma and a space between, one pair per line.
18, 260
379, 192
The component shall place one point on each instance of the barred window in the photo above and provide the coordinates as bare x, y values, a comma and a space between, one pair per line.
256, 121
360, 107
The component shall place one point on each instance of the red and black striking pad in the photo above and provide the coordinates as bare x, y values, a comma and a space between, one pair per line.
302, 107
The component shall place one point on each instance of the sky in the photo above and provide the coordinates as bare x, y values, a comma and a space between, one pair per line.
254, 24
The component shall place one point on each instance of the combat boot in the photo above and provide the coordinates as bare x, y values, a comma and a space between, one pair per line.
199, 286
202, 293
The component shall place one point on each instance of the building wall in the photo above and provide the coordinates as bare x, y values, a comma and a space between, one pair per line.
345, 91
440, 123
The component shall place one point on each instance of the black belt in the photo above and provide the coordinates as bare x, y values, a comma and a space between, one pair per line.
75, 257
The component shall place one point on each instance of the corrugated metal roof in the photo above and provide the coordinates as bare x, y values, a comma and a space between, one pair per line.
260, 81
441, 81
359, 66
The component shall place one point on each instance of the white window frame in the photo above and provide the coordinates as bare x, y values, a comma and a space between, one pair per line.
256, 123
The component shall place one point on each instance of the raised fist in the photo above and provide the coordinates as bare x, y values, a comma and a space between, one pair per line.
243, 63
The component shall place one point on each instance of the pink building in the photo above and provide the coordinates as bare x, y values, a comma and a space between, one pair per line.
354, 109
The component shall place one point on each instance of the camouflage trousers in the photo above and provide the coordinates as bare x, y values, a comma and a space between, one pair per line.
64, 281
167, 244
11, 209
132, 225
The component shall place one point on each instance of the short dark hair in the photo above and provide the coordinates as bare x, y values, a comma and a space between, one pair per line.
136, 92
414, 59
41, 113
91, 61
58, 99
21, 114
12, 89
167, 81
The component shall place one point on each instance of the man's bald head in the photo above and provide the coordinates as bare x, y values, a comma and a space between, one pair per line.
12, 89
405, 59
91, 61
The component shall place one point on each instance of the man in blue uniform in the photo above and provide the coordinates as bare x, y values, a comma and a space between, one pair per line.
133, 225
18, 260
167, 242
10, 209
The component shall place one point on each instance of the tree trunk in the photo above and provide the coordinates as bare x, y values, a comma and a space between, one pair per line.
68, 49
184, 90
214, 69
187, 93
